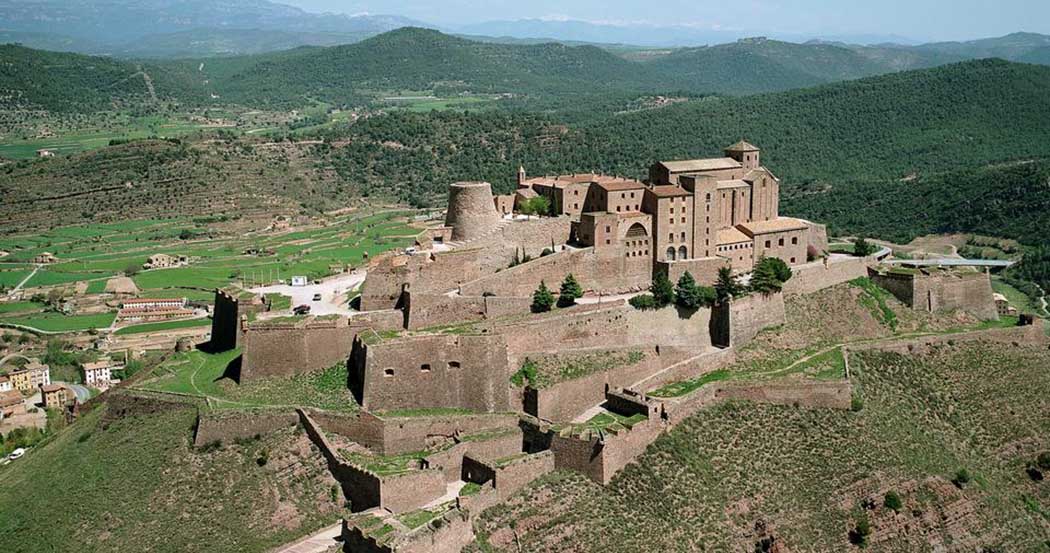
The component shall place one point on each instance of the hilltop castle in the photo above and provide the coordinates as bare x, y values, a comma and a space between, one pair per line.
700, 210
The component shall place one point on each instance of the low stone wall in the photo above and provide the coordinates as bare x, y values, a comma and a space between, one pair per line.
365, 489
820, 394
387, 319
815, 276
449, 533
618, 324
1030, 335
450, 461
428, 310
601, 458
564, 401
395, 436
509, 477
434, 273
229, 426
595, 272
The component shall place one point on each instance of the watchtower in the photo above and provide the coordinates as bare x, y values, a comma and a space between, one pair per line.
745, 153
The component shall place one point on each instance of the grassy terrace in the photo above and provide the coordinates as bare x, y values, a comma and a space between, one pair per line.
57, 322
386, 465
203, 375
605, 421
547, 370
165, 325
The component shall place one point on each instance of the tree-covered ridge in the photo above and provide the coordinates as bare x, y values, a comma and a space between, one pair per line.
759, 65
65, 82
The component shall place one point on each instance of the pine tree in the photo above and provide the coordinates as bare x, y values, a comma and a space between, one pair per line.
726, 286
764, 278
687, 293
542, 299
662, 289
570, 291
863, 248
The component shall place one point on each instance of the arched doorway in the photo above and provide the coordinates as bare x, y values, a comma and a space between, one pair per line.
683, 253
670, 253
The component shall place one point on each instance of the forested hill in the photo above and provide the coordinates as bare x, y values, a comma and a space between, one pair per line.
759, 65
66, 82
423, 60
547, 76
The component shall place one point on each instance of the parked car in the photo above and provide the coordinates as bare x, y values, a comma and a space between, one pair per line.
16, 454
302, 310
317, 297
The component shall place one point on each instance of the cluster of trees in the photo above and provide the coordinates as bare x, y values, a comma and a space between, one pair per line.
543, 299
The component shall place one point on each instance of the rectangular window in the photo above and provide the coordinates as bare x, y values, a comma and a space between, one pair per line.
670, 237
780, 242
768, 243
794, 240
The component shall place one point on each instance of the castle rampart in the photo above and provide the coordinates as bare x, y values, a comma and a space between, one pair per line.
432, 371
227, 317
608, 274
940, 290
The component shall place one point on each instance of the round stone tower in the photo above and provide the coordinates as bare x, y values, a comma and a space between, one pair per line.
471, 210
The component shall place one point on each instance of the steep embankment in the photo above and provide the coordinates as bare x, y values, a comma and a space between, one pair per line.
746, 477
138, 485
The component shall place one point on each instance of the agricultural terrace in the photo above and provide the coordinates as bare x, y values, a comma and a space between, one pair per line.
218, 254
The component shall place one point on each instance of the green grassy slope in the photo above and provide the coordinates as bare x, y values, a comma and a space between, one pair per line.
137, 485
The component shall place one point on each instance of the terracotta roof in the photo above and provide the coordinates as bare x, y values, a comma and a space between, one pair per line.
153, 300
526, 193
780, 224
100, 364
48, 388
668, 191
10, 397
742, 146
696, 165
619, 185
731, 235
750, 176
3, 378
732, 184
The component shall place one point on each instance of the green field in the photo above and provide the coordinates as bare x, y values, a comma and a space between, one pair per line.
56, 322
20, 307
128, 128
166, 325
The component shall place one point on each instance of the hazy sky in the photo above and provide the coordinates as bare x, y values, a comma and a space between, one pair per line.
917, 19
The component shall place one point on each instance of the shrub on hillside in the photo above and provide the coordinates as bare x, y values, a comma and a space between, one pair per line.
962, 477
862, 248
643, 301
892, 501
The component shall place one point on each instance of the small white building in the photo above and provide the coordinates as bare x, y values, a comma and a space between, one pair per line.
5, 384
99, 374
299, 281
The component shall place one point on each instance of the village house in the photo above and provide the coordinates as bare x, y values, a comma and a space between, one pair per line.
30, 377
153, 309
163, 261
45, 258
54, 396
99, 373
1002, 305
11, 404
5, 384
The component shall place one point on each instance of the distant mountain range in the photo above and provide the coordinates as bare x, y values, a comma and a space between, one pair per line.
556, 75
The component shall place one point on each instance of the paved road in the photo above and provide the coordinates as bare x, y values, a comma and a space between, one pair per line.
333, 293
316, 543
82, 393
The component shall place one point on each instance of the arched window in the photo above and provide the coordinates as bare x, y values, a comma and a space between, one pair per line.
670, 253
637, 231
683, 253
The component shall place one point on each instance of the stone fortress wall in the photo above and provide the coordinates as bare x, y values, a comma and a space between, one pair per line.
940, 290
432, 371
227, 316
